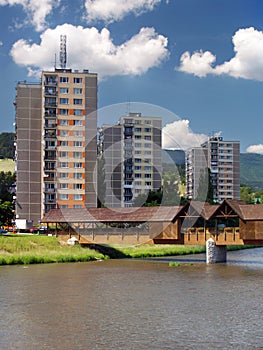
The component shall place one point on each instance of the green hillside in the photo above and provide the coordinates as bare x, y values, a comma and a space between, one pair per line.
251, 170
251, 167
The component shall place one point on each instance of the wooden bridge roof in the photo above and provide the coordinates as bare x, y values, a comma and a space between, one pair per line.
140, 214
253, 212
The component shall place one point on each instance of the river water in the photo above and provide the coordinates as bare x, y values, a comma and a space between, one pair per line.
134, 304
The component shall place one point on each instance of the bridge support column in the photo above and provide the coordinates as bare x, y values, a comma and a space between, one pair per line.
215, 253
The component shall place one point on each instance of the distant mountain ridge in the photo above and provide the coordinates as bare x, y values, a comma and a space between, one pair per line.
251, 166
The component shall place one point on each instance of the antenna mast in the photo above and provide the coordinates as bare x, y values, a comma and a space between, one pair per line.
63, 51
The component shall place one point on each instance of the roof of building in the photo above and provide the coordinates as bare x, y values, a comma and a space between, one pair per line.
251, 212
153, 214
134, 214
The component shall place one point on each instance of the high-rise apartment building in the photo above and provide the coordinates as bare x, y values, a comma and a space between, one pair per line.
132, 157
56, 150
223, 159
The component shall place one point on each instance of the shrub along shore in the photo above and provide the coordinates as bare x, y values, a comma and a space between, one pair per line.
34, 249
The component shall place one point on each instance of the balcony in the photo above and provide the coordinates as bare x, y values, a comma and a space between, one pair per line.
50, 135
50, 125
51, 81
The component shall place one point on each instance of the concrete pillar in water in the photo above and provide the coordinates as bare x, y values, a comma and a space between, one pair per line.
215, 253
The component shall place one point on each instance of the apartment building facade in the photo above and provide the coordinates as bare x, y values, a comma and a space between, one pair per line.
56, 151
132, 157
222, 158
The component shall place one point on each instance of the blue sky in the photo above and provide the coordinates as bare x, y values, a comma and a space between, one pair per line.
202, 60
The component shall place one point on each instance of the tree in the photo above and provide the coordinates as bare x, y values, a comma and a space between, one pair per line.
7, 181
6, 213
205, 192
7, 149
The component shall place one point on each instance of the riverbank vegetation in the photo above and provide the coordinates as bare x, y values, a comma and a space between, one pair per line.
32, 249
35, 249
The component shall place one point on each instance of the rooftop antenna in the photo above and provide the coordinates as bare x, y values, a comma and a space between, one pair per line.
63, 51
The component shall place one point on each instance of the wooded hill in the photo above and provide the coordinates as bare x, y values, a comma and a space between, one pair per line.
251, 167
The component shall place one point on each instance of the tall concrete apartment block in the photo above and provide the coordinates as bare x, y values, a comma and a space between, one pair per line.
56, 149
132, 156
223, 159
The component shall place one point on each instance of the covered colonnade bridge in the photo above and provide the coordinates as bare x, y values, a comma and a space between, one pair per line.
197, 223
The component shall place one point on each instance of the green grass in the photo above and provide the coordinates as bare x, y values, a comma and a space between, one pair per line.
158, 250
7, 165
35, 249
41, 249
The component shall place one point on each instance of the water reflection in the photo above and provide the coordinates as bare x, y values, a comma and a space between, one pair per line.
134, 305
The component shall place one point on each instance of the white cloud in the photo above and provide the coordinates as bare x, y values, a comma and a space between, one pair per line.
178, 135
1, 43
90, 49
247, 62
35, 10
199, 64
255, 149
110, 11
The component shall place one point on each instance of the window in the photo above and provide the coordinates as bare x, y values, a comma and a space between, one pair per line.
77, 186
138, 129
77, 144
77, 154
64, 143
77, 80
148, 122
137, 167
148, 168
78, 197
138, 137
78, 165
63, 206
63, 133
148, 129
63, 196
148, 153
138, 191
63, 122
138, 144
77, 101
63, 175
77, 111
77, 133
63, 101
137, 160
77, 122
128, 121
77, 176
63, 79
138, 152
138, 183
63, 154
138, 175
147, 145
137, 121
63, 90
64, 186
64, 111
148, 183
148, 138
147, 160
64, 164
77, 91
148, 176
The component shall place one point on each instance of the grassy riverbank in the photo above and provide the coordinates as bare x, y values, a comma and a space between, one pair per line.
41, 249
34, 249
